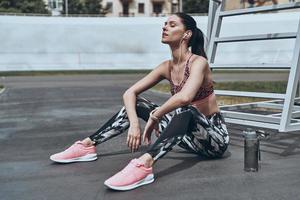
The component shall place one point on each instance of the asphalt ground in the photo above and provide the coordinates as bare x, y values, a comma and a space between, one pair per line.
43, 115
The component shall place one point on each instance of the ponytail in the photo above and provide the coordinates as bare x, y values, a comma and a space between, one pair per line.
197, 40
197, 43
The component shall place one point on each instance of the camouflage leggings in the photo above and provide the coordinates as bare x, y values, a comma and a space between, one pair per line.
206, 136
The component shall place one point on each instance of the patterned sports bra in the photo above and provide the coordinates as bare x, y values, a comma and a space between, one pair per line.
203, 92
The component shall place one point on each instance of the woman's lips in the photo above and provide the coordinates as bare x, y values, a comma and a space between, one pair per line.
164, 34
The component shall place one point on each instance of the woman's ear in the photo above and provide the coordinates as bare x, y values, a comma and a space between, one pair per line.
190, 33
187, 34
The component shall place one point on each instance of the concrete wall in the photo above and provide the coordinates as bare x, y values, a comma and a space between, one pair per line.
55, 43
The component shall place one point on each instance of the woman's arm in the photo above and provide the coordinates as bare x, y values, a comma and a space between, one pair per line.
190, 89
129, 98
182, 98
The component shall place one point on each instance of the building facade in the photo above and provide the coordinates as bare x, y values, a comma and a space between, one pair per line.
139, 8
126, 8
148, 8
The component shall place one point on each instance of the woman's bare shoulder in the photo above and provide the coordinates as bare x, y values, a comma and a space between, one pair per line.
164, 68
200, 61
199, 58
165, 64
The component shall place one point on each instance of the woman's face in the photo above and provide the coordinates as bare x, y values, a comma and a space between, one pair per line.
173, 30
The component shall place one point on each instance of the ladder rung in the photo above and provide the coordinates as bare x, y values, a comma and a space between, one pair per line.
250, 66
252, 123
250, 94
260, 9
251, 116
270, 36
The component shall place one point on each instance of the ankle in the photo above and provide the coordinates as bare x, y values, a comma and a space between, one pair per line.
87, 142
147, 160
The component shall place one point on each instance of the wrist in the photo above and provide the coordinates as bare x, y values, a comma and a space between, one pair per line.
153, 116
135, 124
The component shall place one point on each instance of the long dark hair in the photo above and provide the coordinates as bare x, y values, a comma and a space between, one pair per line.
197, 39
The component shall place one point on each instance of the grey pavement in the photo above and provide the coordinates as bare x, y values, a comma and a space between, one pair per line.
43, 115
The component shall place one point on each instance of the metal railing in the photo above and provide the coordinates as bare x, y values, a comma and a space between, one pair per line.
286, 117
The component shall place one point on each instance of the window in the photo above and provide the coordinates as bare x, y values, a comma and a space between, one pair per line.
174, 8
126, 9
157, 8
52, 4
60, 5
141, 8
109, 7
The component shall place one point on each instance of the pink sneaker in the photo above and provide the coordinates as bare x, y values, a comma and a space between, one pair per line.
135, 174
75, 153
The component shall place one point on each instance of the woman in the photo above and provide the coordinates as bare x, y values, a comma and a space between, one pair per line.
189, 118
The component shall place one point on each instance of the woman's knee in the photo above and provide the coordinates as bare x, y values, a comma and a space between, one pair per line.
144, 107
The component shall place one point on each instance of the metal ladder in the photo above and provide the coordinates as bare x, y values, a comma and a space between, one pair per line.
288, 119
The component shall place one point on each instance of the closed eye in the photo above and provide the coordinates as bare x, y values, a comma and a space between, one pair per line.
172, 23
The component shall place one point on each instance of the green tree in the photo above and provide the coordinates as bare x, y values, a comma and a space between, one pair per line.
83, 7
74, 7
8, 6
23, 6
93, 6
195, 6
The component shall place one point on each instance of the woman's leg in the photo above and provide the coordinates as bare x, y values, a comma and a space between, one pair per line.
139, 171
85, 150
173, 134
189, 128
120, 123
208, 136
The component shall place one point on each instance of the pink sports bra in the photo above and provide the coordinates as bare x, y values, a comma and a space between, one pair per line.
203, 92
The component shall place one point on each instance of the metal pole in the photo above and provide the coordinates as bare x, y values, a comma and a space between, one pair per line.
66, 7
213, 5
285, 123
299, 89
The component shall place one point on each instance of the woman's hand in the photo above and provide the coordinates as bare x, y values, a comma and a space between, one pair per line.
134, 137
151, 124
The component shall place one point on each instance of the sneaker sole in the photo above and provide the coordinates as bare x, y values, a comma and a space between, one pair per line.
86, 158
149, 179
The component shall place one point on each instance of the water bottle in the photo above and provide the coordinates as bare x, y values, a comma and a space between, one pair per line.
251, 150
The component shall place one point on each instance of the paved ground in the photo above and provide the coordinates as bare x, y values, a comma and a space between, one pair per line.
43, 115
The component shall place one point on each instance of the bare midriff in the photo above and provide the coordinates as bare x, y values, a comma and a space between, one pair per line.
207, 106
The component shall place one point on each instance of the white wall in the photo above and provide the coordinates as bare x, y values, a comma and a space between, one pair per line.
56, 43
